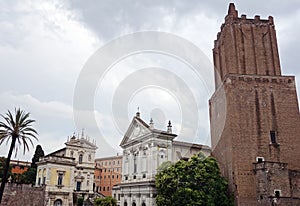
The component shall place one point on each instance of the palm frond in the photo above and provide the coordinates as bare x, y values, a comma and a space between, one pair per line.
18, 127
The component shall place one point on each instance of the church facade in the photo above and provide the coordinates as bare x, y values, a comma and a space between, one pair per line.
68, 172
144, 150
254, 114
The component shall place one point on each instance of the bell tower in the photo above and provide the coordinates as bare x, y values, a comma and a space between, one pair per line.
254, 113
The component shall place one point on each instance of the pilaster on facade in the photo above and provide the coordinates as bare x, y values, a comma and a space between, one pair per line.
144, 150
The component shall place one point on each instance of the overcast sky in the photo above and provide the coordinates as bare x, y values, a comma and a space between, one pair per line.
44, 46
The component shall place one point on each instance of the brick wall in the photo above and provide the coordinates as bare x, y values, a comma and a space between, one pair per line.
251, 104
25, 195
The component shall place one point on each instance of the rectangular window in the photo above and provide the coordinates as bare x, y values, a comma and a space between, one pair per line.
273, 137
80, 158
60, 179
260, 159
277, 193
78, 186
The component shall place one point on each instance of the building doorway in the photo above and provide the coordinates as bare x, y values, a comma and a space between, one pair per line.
58, 202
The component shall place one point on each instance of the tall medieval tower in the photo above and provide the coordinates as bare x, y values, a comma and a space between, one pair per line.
254, 114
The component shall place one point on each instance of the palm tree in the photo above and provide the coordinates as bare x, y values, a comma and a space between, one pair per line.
19, 130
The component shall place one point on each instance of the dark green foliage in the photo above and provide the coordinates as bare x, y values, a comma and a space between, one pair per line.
80, 201
196, 182
39, 152
29, 176
106, 201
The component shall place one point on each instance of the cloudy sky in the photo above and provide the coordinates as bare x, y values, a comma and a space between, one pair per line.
45, 46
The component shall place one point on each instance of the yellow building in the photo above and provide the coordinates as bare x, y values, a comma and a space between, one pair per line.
68, 172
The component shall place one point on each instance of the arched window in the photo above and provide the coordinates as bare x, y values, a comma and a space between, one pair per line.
71, 153
90, 157
125, 203
133, 204
80, 158
58, 202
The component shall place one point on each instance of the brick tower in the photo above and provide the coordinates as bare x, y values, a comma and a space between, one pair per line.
254, 114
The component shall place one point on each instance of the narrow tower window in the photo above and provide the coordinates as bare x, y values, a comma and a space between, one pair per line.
273, 137
277, 193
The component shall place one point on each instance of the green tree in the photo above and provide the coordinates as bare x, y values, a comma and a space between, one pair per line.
18, 129
39, 152
106, 201
196, 182
80, 201
29, 176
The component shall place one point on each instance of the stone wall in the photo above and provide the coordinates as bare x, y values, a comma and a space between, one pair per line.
21, 194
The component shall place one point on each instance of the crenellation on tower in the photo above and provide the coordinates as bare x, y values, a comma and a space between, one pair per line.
248, 46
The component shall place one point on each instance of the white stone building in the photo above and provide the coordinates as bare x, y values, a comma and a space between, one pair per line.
67, 171
144, 150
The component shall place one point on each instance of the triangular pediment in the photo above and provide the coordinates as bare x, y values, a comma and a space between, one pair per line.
136, 130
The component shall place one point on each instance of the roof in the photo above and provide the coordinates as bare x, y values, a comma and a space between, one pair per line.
55, 152
188, 144
109, 158
138, 129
